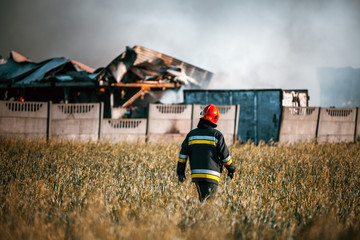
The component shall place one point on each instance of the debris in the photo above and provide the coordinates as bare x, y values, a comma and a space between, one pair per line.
136, 77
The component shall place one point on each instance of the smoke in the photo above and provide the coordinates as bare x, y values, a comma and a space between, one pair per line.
247, 44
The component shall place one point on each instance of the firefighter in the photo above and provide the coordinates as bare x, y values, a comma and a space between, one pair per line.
207, 152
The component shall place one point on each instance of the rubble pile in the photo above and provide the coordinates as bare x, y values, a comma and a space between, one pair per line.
126, 68
136, 77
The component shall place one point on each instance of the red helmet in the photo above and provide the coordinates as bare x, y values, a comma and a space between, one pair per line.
210, 113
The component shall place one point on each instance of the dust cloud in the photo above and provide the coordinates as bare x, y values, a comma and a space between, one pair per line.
246, 44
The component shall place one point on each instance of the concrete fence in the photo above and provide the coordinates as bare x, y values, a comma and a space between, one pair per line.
172, 122
116, 130
75, 121
25, 119
167, 123
66, 121
337, 125
299, 124
319, 124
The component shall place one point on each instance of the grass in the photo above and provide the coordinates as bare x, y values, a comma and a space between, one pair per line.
69, 190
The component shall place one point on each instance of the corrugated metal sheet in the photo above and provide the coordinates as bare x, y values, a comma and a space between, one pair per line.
19, 70
148, 55
40, 73
260, 110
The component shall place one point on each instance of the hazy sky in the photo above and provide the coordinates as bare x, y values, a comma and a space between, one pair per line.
246, 44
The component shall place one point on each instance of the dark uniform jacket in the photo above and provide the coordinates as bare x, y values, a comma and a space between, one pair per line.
207, 152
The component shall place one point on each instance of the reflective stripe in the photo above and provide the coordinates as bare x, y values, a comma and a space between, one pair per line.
209, 176
211, 138
202, 142
183, 156
228, 163
206, 171
226, 159
182, 160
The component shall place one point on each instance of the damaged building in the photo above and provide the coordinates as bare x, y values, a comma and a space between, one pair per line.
140, 76
126, 86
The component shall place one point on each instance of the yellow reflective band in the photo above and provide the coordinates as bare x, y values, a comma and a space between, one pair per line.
228, 162
202, 142
182, 160
200, 175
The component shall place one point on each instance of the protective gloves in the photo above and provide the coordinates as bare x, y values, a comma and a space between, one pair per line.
181, 178
231, 175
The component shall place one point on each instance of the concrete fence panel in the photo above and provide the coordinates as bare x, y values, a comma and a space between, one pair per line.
116, 130
298, 124
336, 125
227, 123
23, 119
75, 121
169, 122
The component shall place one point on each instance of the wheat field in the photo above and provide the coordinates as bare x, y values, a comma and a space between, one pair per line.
93, 190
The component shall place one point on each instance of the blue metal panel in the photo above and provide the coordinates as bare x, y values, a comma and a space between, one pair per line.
40, 73
260, 110
247, 120
269, 115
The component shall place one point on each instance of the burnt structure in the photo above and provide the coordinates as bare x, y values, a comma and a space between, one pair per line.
134, 79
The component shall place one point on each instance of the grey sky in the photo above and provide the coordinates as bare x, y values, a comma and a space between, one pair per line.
247, 44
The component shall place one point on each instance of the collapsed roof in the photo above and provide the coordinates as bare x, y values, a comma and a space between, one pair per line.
18, 70
135, 67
